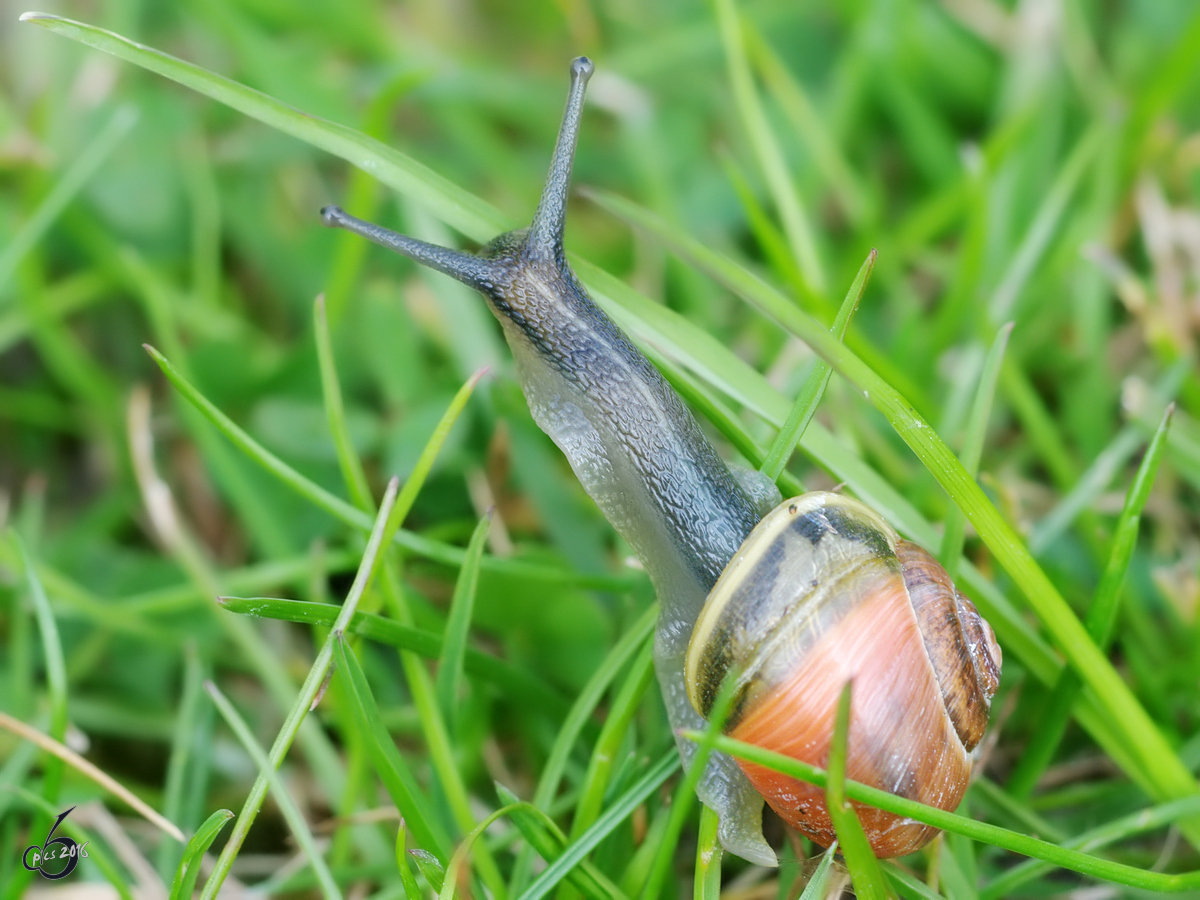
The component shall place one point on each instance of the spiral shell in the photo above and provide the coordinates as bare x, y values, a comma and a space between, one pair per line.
823, 592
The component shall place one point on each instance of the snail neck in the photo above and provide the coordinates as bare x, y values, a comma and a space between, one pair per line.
635, 447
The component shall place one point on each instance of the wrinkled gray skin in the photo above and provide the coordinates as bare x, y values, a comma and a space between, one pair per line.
627, 435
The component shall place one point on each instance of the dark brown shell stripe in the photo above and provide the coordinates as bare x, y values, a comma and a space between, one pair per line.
951, 629
784, 608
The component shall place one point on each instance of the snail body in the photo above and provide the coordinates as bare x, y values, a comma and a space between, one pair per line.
639, 454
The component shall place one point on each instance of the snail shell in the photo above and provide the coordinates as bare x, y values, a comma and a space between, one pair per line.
824, 592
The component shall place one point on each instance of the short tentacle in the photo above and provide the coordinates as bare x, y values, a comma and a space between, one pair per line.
545, 238
472, 271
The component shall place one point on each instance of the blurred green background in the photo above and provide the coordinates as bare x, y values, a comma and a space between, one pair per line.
1035, 162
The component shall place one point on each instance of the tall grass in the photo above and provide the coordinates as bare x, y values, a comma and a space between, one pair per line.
475, 711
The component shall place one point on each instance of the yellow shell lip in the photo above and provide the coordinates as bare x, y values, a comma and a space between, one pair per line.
817, 515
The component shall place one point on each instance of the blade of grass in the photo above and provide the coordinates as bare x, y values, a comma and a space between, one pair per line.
449, 886
810, 396
771, 241
404, 637
865, 873
707, 882
304, 700
331, 391
393, 771
1100, 619
581, 712
182, 747
815, 889
412, 891
433, 726
56, 671
193, 853
66, 187
976, 831
192, 556
449, 202
616, 724
810, 126
283, 799
1120, 831
1045, 221
770, 156
434, 871
616, 813
548, 841
450, 664
972, 447
356, 518
81, 765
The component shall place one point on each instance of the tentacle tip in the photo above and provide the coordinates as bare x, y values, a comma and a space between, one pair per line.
582, 67
332, 216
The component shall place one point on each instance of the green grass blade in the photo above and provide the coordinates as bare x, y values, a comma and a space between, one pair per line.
450, 664
56, 689
356, 518
707, 882
393, 771
412, 891
304, 701
972, 448
490, 668
352, 471
616, 725
810, 125
431, 868
56, 669
1100, 618
613, 816
64, 191
449, 202
193, 853
865, 873
770, 155
1119, 832
773, 244
581, 713
548, 841
810, 396
977, 831
287, 806
183, 744
815, 889
1042, 228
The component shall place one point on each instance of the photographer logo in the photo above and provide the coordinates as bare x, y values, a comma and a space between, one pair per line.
58, 856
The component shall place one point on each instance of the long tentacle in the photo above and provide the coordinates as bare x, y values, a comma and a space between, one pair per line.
545, 238
470, 270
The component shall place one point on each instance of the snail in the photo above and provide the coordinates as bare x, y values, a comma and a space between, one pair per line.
761, 592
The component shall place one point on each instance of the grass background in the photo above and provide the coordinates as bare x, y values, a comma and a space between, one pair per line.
1035, 163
